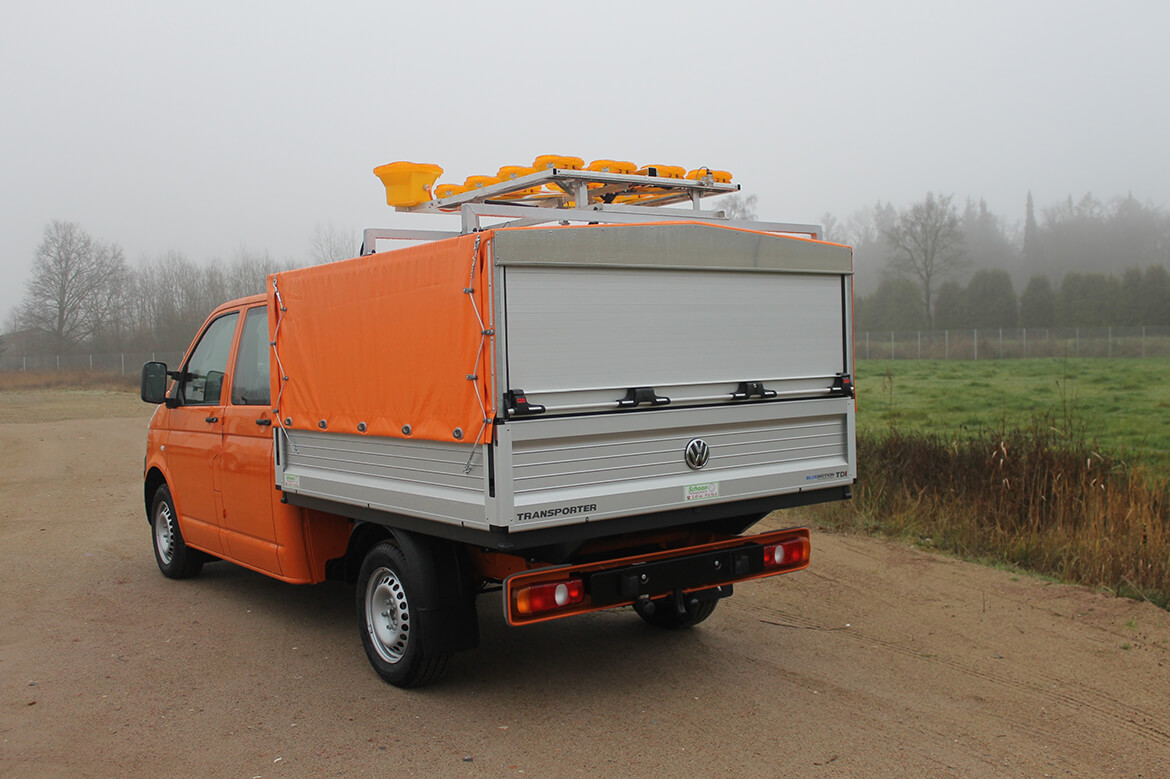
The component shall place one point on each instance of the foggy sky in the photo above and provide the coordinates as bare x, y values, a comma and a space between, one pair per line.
205, 127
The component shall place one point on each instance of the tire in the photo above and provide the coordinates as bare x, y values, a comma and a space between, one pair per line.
662, 613
388, 594
175, 559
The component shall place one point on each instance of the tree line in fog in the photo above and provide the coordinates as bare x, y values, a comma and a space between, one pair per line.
1077, 263
82, 294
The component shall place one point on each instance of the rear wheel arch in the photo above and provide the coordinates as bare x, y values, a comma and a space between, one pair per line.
364, 537
437, 557
442, 588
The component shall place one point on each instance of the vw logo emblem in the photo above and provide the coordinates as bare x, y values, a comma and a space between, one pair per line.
697, 454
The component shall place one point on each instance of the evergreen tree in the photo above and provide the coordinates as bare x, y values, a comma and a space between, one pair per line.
896, 305
1129, 311
989, 300
1038, 303
950, 306
1031, 238
1153, 299
1086, 300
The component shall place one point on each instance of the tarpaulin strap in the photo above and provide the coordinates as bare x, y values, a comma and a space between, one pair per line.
473, 375
280, 310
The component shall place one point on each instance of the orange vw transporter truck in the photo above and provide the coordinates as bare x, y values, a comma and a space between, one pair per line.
582, 399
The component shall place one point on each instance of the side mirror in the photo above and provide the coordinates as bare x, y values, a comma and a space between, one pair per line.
154, 382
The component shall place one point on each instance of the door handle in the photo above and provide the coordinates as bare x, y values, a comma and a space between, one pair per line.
211, 419
264, 421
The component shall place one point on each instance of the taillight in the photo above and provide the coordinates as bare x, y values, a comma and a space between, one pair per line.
788, 553
541, 598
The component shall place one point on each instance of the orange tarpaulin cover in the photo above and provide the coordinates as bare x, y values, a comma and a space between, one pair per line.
388, 340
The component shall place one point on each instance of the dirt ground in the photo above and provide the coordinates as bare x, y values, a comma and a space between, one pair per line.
879, 660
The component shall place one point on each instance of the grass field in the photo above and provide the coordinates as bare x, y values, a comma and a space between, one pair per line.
1057, 466
1122, 406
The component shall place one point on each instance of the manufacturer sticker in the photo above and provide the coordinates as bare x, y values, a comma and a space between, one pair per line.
704, 491
826, 475
292, 480
559, 511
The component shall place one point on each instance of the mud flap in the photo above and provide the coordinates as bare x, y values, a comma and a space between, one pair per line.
447, 618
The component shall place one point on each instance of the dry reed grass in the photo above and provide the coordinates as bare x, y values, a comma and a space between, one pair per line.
1038, 498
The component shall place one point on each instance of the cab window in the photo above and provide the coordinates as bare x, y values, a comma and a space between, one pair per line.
203, 379
250, 379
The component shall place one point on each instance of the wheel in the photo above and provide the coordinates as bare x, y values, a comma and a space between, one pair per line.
663, 613
175, 559
389, 623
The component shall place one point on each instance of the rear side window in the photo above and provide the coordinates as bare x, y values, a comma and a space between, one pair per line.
250, 380
203, 379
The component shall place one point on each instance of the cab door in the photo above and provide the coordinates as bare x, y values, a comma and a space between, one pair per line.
245, 469
194, 439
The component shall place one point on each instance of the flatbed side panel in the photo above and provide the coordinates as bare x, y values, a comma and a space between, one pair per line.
596, 467
423, 479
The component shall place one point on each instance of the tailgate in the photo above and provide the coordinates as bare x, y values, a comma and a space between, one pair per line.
626, 347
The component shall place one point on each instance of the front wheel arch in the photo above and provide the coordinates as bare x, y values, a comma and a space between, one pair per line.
154, 479
175, 559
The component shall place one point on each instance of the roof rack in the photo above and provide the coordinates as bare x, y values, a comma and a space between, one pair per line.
608, 192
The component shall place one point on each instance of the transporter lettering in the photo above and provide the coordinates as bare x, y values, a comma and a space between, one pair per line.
563, 511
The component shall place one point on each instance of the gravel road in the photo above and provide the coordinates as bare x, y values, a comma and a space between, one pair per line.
879, 660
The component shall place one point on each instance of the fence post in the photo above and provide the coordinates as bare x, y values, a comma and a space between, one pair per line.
1078, 335
867, 344
24, 363
1143, 340
891, 344
975, 339
1109, 348
123, 363
91, 362
920, 344
1025, 330
1001, 343
946, 344
58, 363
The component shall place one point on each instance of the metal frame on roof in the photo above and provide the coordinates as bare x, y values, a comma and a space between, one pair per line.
556, 195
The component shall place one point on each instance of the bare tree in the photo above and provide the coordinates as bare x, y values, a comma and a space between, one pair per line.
328, 244
926, 244
77, 286
247, 273
831, 228
739, 206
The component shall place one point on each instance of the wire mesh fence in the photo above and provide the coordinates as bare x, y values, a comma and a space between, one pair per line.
1014, 343
121, 363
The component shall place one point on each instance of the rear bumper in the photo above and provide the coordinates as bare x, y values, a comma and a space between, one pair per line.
621, 582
